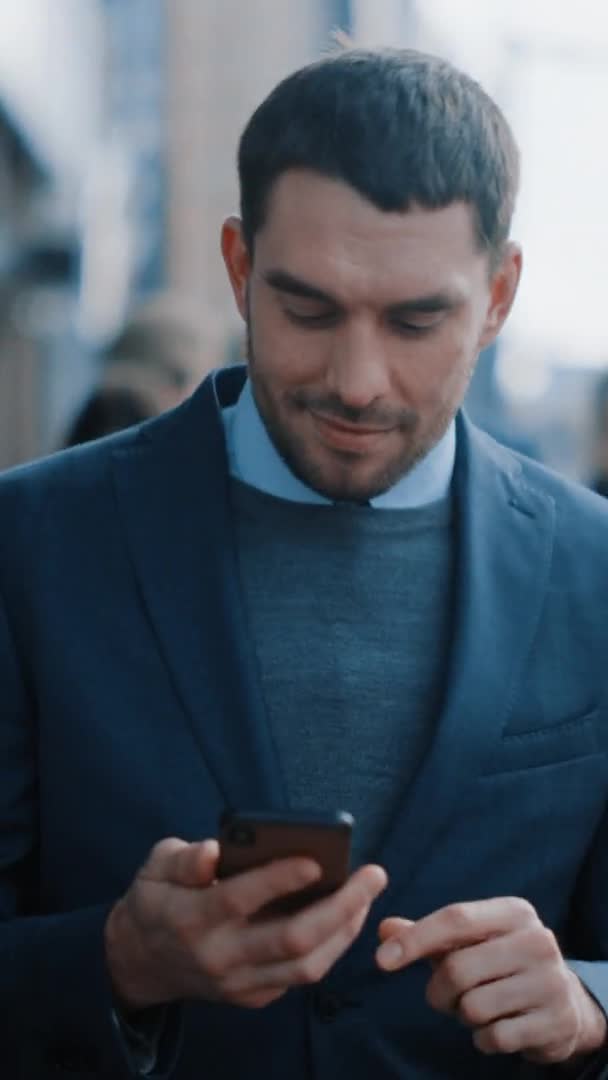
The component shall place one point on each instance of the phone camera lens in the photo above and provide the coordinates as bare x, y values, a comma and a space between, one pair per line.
243, 835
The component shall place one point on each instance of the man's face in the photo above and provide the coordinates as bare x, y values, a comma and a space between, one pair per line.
364, 328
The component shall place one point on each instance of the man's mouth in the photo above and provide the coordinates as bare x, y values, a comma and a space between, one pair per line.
341, 435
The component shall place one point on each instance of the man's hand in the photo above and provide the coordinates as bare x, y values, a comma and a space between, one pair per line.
177, 933
501, 972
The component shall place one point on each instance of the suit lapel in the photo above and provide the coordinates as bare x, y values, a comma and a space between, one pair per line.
504, 539
172, 492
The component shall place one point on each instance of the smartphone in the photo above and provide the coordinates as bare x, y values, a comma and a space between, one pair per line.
254, 838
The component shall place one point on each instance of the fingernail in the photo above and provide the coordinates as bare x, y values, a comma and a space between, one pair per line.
390, 954
382, 881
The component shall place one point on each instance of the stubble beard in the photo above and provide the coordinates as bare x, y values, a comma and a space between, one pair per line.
293, 450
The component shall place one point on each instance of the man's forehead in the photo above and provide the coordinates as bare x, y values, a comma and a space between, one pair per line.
305, 195
322, 227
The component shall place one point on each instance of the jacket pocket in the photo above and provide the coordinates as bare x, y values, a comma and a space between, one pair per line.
569, 740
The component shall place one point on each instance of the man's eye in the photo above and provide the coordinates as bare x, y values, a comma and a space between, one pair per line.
310, 316
416, 326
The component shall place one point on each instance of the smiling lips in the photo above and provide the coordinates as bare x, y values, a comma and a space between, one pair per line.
340, 436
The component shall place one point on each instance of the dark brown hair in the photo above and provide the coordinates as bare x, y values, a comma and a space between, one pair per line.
398, 126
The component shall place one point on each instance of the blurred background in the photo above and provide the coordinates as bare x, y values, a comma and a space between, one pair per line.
119, 121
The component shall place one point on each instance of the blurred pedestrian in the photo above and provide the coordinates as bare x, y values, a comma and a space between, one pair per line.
599, 478
151, 366
162, 350
108, 409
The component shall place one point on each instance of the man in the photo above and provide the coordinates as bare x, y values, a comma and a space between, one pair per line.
314, 586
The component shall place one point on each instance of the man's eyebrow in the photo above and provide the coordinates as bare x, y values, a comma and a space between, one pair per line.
284, 282
287, 283
432, 302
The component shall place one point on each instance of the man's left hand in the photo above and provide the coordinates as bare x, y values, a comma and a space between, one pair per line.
501, 972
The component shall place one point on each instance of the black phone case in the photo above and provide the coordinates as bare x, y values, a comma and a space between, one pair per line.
250, 839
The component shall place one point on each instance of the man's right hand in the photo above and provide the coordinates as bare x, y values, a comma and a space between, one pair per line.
178, 933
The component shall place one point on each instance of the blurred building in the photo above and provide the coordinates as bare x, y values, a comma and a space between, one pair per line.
49, 100
24, 258
223, 58
130, 124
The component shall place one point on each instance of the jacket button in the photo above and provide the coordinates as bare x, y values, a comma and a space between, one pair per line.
327, 1005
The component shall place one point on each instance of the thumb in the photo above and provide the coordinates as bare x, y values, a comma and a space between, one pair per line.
390, 955
392, 926
188, 865
195, 865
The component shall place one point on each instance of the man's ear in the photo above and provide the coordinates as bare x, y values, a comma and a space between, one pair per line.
238, 263
503, 287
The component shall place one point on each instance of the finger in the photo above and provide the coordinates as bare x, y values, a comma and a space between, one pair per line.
512, 996
392, 927
299, 935
462, 970
533, 1034
179, 863
304, 932
319, 921
242, 896
454, 927
196, 865
302, 970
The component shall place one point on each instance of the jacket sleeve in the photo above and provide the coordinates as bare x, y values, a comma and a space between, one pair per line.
588, 936
56, 1008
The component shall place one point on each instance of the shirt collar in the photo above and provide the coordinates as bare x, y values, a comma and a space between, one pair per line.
254, 460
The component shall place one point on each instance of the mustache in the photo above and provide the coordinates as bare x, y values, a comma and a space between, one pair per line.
332, 407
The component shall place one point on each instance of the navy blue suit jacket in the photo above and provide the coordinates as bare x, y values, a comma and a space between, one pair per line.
131, 711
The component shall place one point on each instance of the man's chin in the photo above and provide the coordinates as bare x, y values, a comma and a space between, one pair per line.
349, 488
345, 476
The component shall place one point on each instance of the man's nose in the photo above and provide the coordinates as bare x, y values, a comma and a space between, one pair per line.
358, 370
